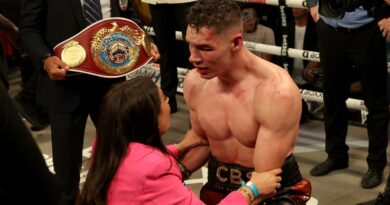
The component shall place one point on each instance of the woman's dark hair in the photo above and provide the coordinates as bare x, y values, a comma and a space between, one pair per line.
129, 113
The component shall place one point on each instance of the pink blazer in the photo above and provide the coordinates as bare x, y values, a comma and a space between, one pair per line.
147, 176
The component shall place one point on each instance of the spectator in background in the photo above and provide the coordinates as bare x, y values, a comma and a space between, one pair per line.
3, 66
344, 44
302, 35
24, 176
255, 32
25, 101
168, 16
6, 28
384, 198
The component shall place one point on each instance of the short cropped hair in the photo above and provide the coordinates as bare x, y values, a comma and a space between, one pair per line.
216, 14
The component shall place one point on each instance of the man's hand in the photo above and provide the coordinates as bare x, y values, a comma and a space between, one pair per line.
314, 13
311, 72
384, 26
55, 68
155, 53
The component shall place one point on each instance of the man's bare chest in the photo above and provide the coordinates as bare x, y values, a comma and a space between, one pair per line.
224, 116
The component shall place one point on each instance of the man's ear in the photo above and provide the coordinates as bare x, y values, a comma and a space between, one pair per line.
237, 42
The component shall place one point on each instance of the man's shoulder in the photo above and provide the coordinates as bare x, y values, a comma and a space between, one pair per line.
191, 83
193, 79
278, 94
277, 80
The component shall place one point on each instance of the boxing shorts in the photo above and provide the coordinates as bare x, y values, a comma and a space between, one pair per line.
224, 178
109, 48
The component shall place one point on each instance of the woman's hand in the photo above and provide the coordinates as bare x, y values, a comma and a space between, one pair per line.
266, 182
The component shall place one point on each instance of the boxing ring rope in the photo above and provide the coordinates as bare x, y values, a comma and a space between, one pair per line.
308, 95
288, 3
270, 49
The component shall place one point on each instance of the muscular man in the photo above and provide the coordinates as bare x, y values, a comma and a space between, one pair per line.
247, 107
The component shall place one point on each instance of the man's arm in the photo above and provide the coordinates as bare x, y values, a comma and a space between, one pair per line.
32, 31
314, 13
196, 157
384, 24
278, 115
32, 22
10, 29
308, 73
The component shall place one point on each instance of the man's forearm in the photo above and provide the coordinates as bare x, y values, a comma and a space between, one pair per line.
6, 25
195, 158
10, 30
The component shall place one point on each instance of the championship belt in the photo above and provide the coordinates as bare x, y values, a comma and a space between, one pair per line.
109, 48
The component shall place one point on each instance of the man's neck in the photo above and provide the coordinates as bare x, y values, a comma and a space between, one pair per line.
237, 70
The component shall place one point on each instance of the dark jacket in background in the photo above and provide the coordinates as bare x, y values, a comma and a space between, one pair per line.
24, 176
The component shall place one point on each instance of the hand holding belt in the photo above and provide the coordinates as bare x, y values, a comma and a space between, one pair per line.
109, 48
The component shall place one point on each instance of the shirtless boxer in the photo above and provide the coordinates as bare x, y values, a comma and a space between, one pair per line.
247, 108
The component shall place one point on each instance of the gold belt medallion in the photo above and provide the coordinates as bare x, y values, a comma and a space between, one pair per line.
73, 54
116, 50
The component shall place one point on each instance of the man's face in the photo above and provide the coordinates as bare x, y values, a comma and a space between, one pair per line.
210, 52
250, 20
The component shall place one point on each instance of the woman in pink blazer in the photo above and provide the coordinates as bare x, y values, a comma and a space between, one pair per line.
131, 165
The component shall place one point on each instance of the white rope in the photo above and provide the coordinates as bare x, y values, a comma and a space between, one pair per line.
289, 3
152, 70
270, 49
264, 48
276, 50
315, 96
308, 95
